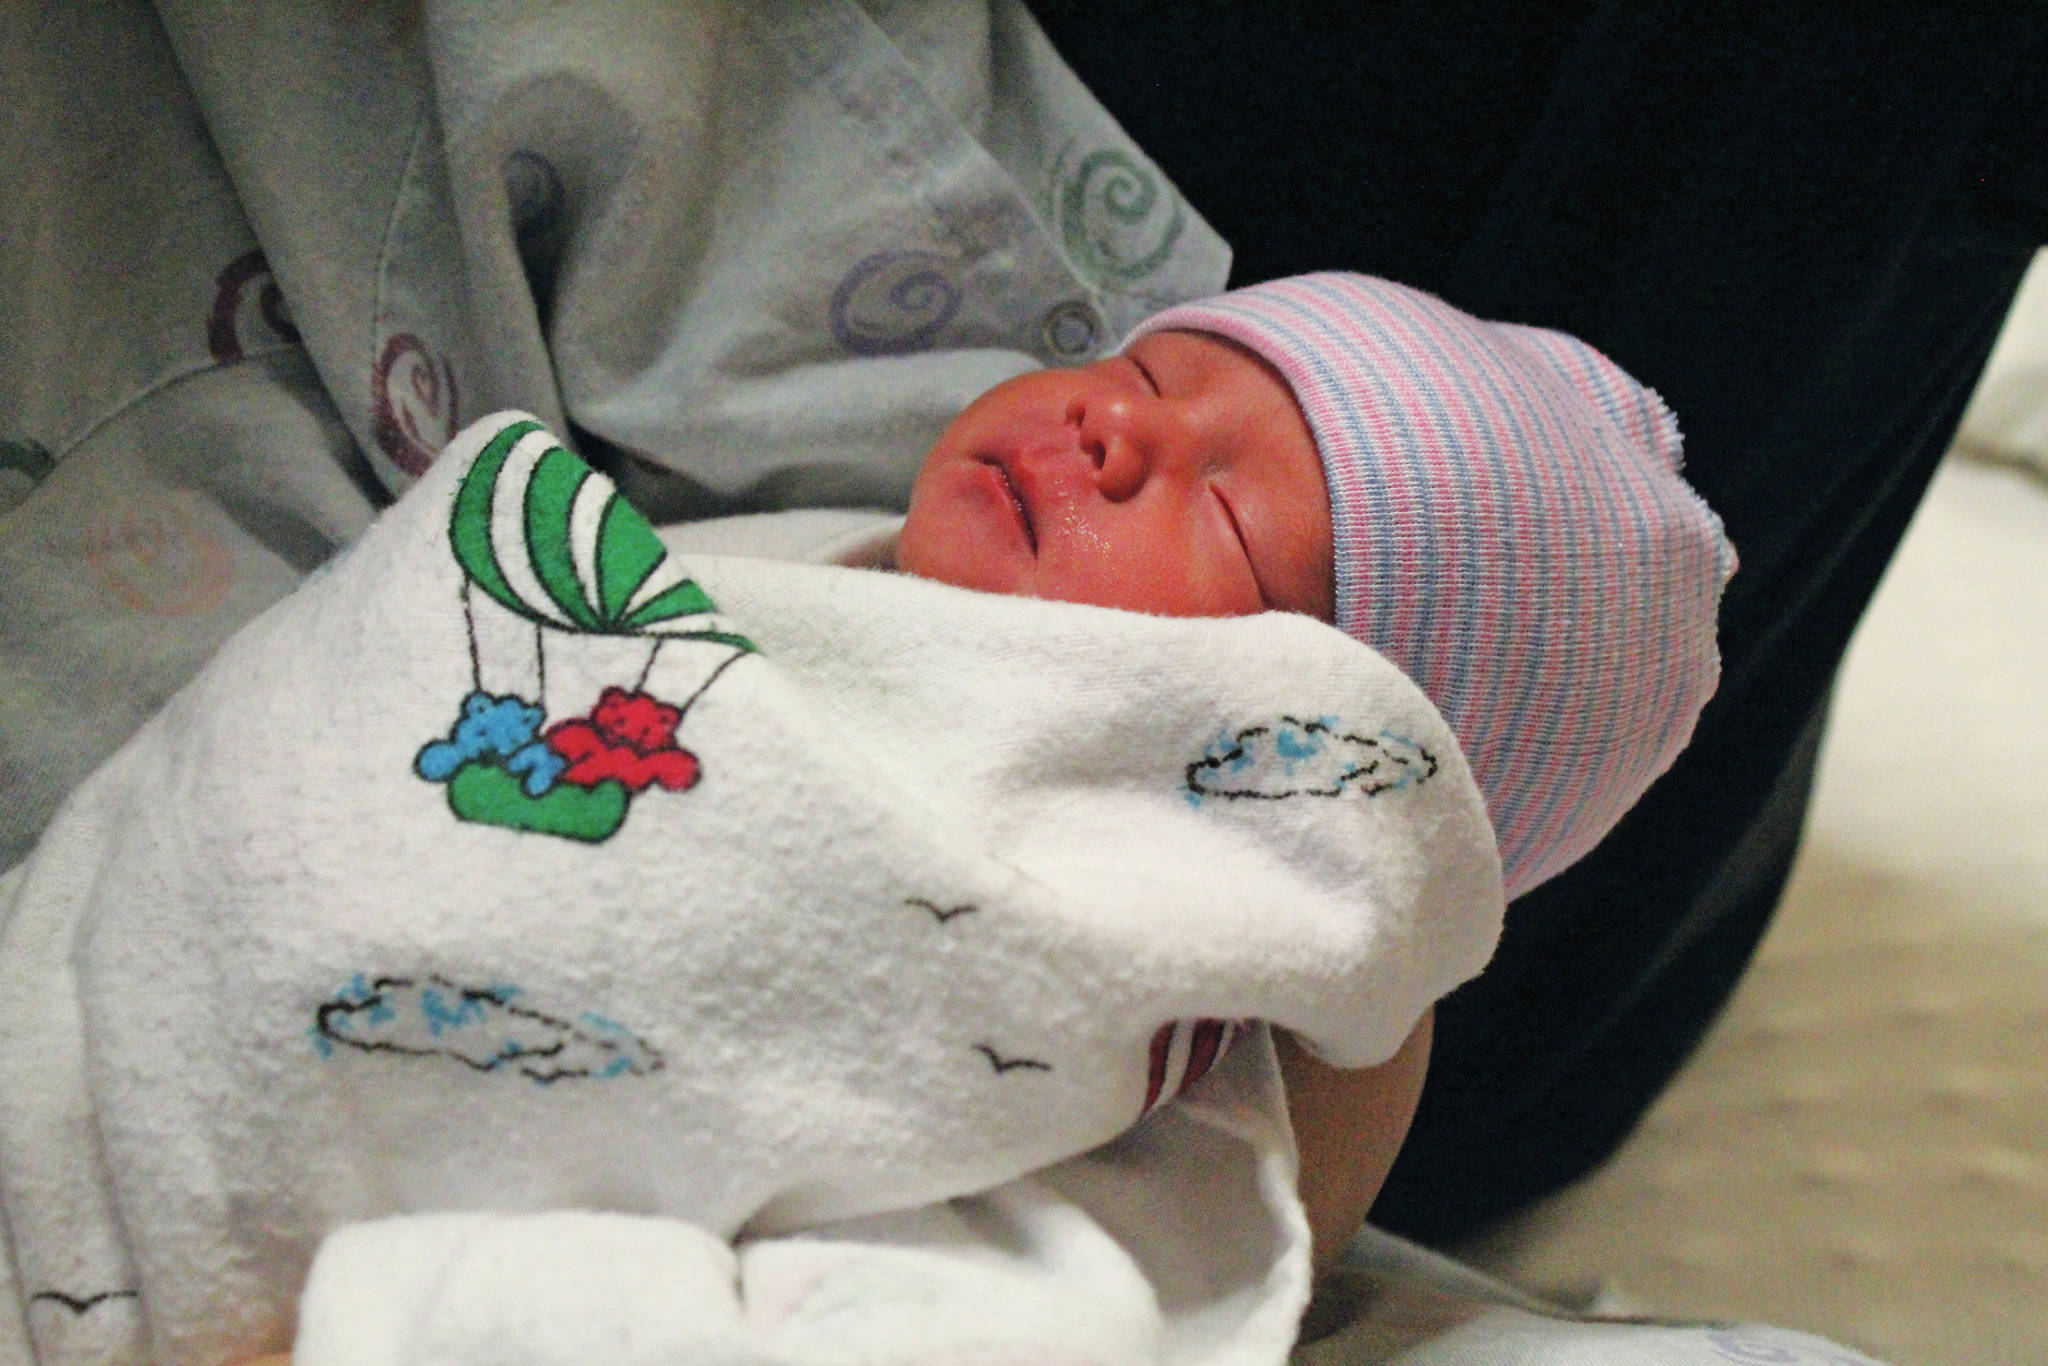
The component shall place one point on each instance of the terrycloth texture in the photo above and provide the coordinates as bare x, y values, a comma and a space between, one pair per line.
1513, 532
497, 870
1112, 1257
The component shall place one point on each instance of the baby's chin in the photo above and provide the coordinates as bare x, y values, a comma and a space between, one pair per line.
926, 549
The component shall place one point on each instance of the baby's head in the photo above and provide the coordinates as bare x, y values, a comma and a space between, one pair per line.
1496, 509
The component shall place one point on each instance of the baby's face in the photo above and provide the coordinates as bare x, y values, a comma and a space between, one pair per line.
1178, 478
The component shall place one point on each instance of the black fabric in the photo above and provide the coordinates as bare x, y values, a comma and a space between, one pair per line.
1802, 225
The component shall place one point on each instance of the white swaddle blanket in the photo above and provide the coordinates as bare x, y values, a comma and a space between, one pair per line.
499, 873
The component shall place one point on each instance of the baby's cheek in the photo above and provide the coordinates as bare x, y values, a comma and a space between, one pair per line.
1174, 586
932, 549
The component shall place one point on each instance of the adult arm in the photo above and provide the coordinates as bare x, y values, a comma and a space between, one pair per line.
1348, 1125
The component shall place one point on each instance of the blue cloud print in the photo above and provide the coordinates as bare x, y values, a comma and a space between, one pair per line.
480, 1028
1295, 758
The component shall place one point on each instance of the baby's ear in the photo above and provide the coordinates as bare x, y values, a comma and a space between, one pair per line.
1634, 408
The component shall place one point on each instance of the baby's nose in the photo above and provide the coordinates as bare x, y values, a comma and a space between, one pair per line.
1119, 438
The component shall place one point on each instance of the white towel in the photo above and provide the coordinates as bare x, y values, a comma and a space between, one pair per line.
498, 871
1179, 1244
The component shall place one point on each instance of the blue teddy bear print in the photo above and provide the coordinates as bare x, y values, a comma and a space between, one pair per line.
505, 728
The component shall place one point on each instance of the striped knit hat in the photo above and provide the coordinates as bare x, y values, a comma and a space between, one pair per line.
1512, 532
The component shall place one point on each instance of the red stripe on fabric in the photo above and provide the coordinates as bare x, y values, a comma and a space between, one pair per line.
1162, 1043
1203, 1051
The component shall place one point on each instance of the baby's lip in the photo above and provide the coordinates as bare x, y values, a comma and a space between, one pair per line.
1006, 473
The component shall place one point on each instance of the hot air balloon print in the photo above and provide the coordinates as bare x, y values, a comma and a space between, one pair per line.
540, 534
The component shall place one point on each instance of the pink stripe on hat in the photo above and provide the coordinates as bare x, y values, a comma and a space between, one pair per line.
1512, 531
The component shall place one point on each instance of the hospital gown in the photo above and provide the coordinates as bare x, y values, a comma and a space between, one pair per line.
262, 262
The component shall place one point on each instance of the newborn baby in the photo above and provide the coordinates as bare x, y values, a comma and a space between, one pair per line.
1509, 527
960, 887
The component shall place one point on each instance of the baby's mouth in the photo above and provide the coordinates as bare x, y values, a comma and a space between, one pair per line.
1016, 501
